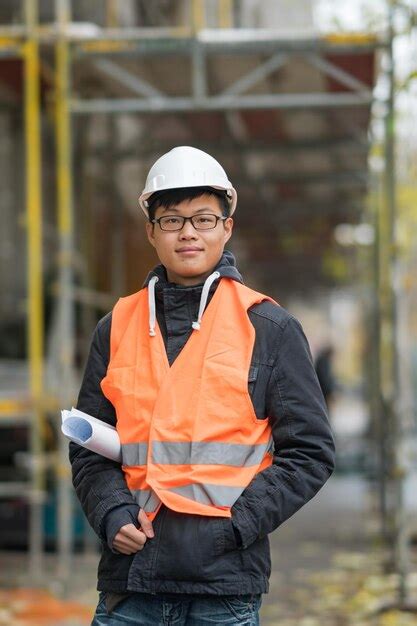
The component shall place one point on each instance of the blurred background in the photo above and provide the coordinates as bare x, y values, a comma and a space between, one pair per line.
311, 108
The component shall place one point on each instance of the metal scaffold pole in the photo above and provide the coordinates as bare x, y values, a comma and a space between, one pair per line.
390, 389
66, 279
378, 424
34, 274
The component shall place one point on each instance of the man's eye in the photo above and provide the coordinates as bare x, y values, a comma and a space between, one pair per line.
171, 220
205, 219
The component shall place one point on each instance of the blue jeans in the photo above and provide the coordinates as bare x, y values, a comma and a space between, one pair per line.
142, 609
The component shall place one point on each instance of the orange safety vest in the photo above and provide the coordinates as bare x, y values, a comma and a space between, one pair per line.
189, 434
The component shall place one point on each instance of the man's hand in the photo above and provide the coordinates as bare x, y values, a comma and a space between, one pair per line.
129, 539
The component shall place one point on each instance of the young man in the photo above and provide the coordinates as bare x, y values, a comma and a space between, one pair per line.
222, 422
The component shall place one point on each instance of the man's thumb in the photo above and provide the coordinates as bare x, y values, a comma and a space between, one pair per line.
145, 524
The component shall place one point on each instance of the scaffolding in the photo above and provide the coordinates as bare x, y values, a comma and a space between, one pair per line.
197, 49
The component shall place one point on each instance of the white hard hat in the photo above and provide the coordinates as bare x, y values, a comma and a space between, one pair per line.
185, 166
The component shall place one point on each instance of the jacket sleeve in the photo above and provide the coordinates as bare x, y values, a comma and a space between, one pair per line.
304, 456
99, 482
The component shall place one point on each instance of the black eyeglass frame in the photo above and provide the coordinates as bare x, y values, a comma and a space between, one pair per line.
185, 219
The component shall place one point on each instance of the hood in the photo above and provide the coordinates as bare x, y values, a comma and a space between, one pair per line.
157, 281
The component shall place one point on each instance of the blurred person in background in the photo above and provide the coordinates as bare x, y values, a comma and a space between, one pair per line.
324, 369
222, 422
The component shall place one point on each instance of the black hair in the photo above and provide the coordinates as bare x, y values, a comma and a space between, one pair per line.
171, 197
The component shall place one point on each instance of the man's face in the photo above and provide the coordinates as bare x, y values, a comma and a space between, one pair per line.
190, 255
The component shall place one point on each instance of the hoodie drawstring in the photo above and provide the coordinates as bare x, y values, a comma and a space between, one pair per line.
152, 306
203, 300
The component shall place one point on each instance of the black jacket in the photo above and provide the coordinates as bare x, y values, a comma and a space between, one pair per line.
209, 555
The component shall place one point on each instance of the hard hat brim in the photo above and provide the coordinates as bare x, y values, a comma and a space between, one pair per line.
231, 192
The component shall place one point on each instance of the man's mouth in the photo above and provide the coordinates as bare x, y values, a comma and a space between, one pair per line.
189, 249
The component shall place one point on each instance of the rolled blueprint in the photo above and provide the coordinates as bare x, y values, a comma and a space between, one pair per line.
91, 433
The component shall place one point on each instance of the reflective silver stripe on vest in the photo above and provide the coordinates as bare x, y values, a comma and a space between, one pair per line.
208, 453
214, 495
134, 453
146, 499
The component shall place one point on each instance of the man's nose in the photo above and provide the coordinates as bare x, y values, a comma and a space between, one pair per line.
188, 230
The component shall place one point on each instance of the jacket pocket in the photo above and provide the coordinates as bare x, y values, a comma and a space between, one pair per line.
257, 558
196, 548
224, 535
180, 549
258, 379
253, 375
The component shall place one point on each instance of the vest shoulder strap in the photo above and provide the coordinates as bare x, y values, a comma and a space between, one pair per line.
122, 312
249, 296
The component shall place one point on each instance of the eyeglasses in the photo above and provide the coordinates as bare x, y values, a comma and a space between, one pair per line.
205, 221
